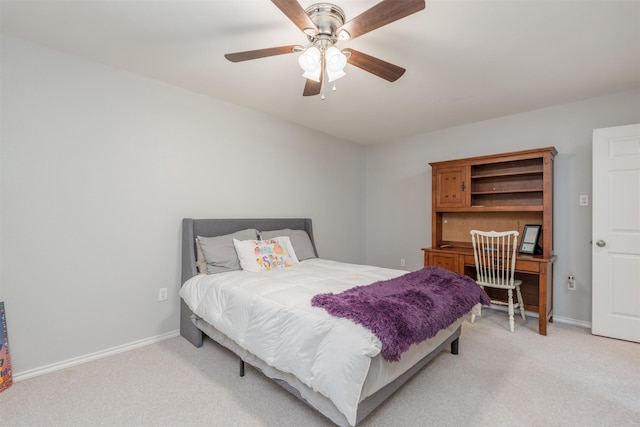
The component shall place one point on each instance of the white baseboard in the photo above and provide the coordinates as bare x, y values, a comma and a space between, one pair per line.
555, 318
19, 376
572, 322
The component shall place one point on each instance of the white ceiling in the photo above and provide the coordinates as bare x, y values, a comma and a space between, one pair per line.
466, 61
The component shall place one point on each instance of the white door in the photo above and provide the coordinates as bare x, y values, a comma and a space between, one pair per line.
616, 232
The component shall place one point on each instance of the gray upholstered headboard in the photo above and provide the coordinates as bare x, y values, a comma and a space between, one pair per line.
219, 227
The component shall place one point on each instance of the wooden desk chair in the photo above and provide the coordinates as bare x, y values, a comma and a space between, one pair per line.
495, 257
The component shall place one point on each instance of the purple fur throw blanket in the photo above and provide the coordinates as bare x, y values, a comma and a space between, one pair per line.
407, 309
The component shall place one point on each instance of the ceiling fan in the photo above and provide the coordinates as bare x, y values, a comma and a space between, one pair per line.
325, 25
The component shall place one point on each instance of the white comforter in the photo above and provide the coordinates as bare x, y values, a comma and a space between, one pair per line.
270, 315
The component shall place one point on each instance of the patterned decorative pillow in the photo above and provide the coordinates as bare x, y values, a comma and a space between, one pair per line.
265, 255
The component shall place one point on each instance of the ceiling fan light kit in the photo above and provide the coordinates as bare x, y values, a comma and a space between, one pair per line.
311, 63
324, 25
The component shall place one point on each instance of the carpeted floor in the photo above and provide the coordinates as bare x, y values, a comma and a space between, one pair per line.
568, 378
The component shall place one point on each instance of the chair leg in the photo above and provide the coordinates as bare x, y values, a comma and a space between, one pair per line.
520, 303
476, 311
511, 321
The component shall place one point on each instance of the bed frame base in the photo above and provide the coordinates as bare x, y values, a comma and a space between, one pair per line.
187, 327
368, 405
454, 350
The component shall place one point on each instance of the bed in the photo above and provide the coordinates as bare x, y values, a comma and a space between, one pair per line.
371, 377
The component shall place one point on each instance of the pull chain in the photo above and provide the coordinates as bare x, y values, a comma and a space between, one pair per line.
323, 75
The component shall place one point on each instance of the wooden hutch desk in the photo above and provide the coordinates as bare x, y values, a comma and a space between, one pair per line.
535, 272
499, 192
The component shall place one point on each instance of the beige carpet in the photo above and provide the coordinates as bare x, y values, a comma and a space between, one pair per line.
569, 378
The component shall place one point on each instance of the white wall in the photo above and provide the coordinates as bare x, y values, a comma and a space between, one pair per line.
99, 166
399, 185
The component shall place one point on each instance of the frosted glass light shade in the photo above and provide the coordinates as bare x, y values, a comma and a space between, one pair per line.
309, 60
336, 60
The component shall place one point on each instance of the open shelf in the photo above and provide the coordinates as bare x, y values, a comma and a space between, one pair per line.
508, 198
508, 168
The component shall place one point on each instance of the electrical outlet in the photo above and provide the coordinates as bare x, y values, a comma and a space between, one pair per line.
402, 263
584, 200
162, 294
571, 283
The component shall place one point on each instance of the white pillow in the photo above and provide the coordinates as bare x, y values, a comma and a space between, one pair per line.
265, 255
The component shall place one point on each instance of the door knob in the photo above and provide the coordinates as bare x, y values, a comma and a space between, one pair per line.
601, 243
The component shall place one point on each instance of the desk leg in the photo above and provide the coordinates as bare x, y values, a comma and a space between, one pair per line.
545, 297
542, 324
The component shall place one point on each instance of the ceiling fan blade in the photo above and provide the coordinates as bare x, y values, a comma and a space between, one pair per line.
260, 53
296, 14
380, 68
383, 13
312, 87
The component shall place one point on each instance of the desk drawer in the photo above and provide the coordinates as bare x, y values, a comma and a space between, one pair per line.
527, 266
522, 266
447, 261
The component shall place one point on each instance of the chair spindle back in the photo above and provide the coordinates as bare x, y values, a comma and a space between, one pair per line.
495, 256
